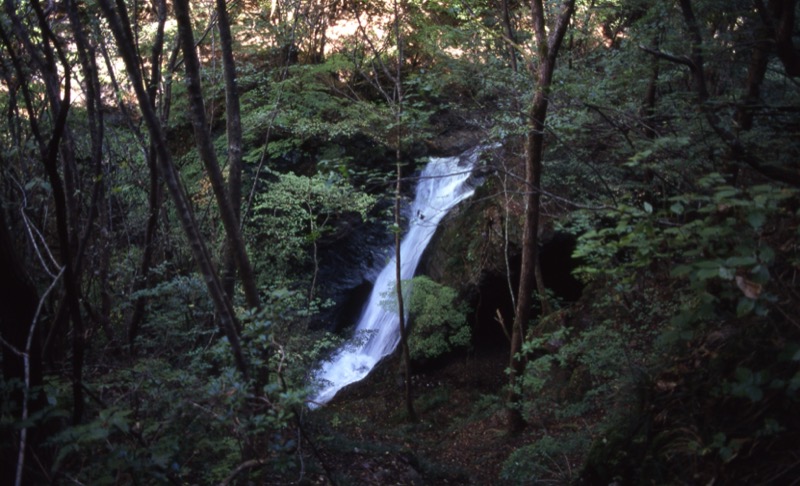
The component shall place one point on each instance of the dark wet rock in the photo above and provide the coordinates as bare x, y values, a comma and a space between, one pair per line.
348, 268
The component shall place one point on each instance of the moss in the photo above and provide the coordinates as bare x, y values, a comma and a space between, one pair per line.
468, 244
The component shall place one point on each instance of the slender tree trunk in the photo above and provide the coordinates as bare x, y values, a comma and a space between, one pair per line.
530, 272
50, 157
756, 72
397, 235
94, 105
227, 321
46, 55
735, 146
650, 97
510, 37
696, 57
71, 287
155, 195
18, 302
155, 199
783, 12
409, 398
53, 54
205, 147
233, 120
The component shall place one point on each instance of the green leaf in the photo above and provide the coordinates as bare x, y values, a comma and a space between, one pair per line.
740, 261
648, 208
767, 254
64, 452
745, 306
756, 219
727, 273
726, 192
681, 270
760, 274
707, 273
748, 384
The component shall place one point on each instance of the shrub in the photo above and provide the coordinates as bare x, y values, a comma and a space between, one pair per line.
439, 321
549, 460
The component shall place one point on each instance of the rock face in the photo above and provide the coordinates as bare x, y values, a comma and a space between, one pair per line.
477, 252
468, 254
348, 269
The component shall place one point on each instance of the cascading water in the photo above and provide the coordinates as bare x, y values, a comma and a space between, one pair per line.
443, 183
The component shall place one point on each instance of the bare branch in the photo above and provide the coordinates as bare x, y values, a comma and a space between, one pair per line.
668, 57
251, 464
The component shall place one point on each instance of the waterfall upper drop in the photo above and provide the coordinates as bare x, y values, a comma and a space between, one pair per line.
443, 184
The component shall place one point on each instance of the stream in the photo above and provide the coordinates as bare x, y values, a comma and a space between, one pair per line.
443, 183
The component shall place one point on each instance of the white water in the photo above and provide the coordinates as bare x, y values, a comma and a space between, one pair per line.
442, 185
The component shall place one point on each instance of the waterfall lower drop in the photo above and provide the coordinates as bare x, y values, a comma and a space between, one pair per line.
443, 184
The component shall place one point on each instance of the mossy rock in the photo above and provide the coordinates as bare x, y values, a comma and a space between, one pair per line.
469, 243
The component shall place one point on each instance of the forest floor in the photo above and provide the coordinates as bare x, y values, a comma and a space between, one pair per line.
364, 436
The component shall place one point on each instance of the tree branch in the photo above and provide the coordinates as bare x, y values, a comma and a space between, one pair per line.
252, 463
668, 57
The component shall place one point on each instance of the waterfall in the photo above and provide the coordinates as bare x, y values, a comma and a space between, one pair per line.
442, 185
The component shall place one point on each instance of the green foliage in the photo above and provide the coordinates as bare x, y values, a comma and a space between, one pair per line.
549, 460
294, 212
433, 399
574, 372
314, 111
323, 106
486, 406
279, 339
711, 255
11, 423
714, 239
180, 313
689, 252
437, 319
194, 422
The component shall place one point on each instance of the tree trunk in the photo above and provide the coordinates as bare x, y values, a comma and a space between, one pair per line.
155, 200
205, 148
735, 146
409, 399
547, 50
227, 321
650, 98
94, 109
756, 71
46, 55
783, 12
233, 121
18, 302
155, 194
50, 157
510, 37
